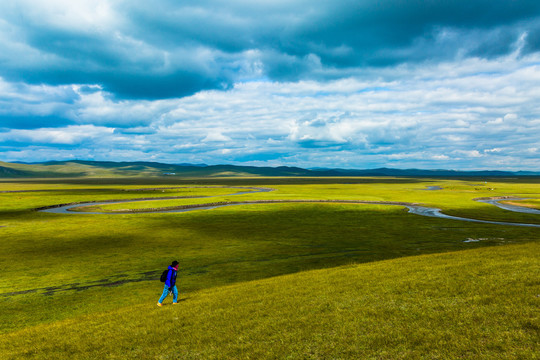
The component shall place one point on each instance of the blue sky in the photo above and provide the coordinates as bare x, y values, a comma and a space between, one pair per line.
350, 84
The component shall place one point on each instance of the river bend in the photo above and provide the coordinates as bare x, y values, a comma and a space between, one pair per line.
413, 208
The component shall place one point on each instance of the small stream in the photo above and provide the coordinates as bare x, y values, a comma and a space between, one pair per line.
434, 212
67, 208
414, 209
509, 207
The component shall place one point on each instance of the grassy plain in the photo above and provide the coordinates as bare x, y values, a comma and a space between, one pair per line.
91, 275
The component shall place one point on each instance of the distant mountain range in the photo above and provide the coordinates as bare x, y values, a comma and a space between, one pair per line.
80, 168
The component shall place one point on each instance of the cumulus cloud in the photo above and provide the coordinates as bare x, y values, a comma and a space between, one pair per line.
216, 136
444, 115
69, 135
306, 83
167, 49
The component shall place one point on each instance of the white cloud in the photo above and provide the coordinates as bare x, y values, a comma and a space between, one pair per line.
216, 136
67, 136
473, 114
496, 121
468, 153
440, 157
81, 15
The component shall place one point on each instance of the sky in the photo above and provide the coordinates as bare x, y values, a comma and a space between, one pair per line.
432, 84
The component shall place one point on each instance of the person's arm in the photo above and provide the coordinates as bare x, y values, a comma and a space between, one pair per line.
169, 279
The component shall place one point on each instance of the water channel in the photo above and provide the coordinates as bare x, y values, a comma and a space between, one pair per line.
414, 209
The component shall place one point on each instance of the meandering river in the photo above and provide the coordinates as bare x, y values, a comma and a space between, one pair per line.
413, 208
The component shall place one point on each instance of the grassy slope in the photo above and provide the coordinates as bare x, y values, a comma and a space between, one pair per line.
97, 169
227, 246
80, 169
215, 247
475, 304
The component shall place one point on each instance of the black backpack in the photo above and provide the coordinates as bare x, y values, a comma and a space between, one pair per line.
163, 277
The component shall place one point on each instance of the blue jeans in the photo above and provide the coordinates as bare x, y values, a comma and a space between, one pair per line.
166, 292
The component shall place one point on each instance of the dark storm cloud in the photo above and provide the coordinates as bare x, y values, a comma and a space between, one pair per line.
132, 70
532, 43
169, 49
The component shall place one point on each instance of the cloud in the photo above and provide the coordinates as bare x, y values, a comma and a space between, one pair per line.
170, 49
216, 136
449, 115
304, 83
69, 135
468, 153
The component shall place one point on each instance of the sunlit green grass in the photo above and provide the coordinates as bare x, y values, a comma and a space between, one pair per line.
31, 197
476, 304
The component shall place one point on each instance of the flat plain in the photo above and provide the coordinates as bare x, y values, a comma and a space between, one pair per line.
278, 280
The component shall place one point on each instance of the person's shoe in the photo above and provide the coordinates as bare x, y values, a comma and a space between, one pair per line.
158, 304
175, 303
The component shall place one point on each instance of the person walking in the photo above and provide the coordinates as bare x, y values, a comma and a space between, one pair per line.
170, 284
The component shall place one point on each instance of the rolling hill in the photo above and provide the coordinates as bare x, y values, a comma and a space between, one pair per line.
81, 168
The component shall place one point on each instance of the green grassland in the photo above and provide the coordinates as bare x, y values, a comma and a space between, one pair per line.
456, 197
474, 304
297, 280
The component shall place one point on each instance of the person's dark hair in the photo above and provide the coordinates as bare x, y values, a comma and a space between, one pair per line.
174, 263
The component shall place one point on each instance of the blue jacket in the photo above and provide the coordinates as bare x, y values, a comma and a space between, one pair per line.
171, 277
